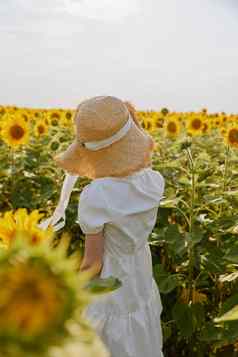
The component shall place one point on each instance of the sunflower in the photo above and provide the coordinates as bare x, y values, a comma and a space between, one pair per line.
25, 115
217, 121
40, 128
223, 131
12, 224
31, 299
231, 136
67, 119
68, 114
40, 294
43, 299
147, 124
206, 126
36, 113
224, 120
172, 127
159, 121
2, 110
194, 125
12, 110
15, 131
55, 117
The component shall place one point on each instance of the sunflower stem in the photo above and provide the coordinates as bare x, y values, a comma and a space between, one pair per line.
225, 176
191, 221
13, 171
12, 161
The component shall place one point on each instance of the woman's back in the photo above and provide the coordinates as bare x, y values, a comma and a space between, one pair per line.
128, 319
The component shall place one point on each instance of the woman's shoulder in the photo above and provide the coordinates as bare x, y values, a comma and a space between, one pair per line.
146, 180
103, 192
143, 175
116, 197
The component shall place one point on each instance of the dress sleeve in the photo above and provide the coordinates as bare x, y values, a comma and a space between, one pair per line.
93, 211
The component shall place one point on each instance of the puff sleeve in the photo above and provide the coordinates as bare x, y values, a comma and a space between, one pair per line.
93, 210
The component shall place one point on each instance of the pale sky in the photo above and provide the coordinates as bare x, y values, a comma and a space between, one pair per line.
180, 54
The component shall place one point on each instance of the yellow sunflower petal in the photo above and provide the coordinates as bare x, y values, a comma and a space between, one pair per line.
15, 131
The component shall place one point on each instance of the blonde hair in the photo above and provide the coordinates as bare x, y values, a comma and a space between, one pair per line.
132, 111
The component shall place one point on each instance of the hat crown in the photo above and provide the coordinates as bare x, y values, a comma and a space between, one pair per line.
100, 117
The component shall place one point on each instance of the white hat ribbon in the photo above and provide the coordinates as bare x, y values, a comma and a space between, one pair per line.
68, 185
97, 145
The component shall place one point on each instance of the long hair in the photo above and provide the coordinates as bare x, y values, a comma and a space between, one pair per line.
132, 111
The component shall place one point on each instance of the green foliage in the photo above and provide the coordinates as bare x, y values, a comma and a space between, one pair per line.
194, 246
101, 286
194, 242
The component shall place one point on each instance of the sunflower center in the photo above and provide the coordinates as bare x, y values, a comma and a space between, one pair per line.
17, 132
31, 290
159, 123
68, 115
172, 128
149, 125
55, 116
41, 129
34, 238
196, 124
233, 136
54, 122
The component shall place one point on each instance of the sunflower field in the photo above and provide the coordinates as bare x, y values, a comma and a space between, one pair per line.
194, 244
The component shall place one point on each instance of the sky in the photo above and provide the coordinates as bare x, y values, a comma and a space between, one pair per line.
179, 54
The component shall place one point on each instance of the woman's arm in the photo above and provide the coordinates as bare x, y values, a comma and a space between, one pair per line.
93, 253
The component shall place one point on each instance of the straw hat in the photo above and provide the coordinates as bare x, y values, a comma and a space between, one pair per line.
109, 140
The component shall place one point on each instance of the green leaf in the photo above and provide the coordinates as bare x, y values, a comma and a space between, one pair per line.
175, 240
182, 315
103, 285
194, 237
228, 316
203, 174
231, 302
232, 254
167, 332
227, 222
172, 233
183, 180
229, 277
163, 215
210, 333
198, 315
170, 203
213, 260
22, 193
167, 282
230, 331
214, 200
46, 186
231, 193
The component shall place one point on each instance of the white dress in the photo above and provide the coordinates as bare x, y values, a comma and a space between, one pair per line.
127, 319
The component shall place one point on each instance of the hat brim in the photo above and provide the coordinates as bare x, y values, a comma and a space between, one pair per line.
69, 160
122, 158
